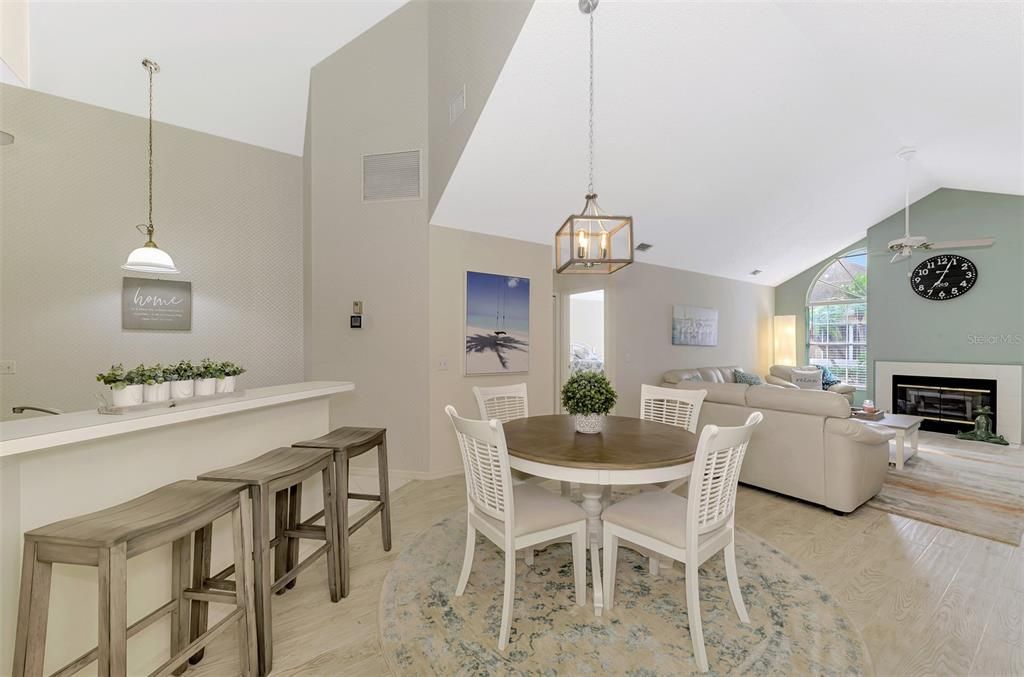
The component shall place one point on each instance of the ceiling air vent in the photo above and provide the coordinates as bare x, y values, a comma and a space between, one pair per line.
391, 176
644, 246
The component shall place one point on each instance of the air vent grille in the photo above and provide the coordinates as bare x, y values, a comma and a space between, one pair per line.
391, 176
644, 246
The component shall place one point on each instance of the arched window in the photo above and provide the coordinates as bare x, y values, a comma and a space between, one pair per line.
837, 330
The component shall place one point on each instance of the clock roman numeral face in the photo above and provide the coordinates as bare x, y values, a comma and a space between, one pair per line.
943, 277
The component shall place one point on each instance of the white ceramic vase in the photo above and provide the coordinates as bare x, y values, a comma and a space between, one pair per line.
128, 396
165, 391
155, 393
205, 386
589, 424
226, 384
182, 390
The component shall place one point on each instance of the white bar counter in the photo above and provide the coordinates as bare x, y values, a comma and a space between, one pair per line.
55, 467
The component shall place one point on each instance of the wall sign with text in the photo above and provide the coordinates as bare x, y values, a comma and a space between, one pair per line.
164, 305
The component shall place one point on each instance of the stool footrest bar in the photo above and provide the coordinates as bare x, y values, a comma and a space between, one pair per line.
366, 518
200, 642
293, 574
365, 497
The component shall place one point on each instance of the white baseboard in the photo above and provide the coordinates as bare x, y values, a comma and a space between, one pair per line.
408, 475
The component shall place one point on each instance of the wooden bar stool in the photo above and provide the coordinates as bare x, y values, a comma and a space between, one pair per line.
107, 539
347, 443
279, 472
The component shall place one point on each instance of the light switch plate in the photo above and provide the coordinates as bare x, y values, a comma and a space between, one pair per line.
8, 367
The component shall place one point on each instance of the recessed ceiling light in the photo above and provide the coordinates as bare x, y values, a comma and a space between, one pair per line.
756, 271
644, 246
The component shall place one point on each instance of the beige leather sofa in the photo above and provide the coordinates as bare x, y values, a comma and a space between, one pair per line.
807, 446
781, 375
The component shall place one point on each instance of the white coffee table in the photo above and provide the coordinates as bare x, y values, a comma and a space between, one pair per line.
903, 425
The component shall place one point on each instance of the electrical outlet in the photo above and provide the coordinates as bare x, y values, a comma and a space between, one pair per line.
8, 367
442, 364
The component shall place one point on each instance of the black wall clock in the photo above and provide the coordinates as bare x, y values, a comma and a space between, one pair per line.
943, 277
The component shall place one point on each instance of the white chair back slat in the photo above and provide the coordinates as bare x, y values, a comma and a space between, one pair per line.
673, 406
716, 473
505, 403
485, 461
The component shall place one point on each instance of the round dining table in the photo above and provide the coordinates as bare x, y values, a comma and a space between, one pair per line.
628, 451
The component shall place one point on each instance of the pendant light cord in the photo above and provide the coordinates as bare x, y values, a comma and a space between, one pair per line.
590, 185
151, 67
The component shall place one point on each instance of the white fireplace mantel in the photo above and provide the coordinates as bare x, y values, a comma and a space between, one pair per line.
1008, 378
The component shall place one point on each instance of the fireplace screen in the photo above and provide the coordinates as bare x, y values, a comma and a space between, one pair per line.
947, 405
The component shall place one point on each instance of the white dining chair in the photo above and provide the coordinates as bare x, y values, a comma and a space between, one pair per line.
512, 517
507, 403
689, 529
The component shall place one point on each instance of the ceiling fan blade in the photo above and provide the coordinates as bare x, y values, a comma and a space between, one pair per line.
959, 244
900, 255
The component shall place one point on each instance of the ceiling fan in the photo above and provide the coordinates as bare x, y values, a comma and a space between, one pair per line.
903, 247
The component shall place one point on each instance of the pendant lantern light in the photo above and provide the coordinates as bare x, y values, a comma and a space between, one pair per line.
591, 241
149, 258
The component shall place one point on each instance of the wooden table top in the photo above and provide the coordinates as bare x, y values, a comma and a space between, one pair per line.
901, 421
625, 443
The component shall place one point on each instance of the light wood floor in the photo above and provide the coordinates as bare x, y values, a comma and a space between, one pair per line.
927, 600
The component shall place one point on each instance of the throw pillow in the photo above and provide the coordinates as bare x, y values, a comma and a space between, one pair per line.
828, 379
807, 379
743, 377
693, 377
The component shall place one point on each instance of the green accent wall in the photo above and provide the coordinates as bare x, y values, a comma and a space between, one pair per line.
985, 326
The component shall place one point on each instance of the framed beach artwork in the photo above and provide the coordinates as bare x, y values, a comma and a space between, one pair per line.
693, 326
497, 324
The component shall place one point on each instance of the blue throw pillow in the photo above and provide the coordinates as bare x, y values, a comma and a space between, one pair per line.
743, 377
828, 379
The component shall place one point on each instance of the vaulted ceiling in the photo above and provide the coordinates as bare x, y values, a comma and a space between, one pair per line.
239, 70
746, 135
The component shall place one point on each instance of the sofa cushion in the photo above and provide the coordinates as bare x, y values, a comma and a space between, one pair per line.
706, 374
744, 377
808, 379
817, 402
726, 393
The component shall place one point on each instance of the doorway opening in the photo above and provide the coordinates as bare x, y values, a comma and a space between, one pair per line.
586, 332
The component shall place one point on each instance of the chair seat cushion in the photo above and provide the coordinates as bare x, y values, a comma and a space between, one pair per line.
538, 509
658, 514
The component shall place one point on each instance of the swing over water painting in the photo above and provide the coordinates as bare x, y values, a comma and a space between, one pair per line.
497, 324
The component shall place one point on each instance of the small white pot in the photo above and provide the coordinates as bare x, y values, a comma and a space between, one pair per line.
182, 390
165, 391
589, 424
128, 396
226, 384
155, 393
205, 386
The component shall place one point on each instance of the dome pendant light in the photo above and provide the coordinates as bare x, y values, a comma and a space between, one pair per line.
591, 241
149, 258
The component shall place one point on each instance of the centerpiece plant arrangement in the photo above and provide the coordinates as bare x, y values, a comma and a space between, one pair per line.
588, 396
161, 383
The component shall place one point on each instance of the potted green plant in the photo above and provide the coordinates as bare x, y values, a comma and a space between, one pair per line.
154, 386
124, 393
182, 377
206, 377
229, 374
588, 396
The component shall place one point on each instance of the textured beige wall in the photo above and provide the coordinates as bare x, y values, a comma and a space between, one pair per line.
452, 253
14, 37
74, 186
469, 43
388, 91
371, 97
639, 301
